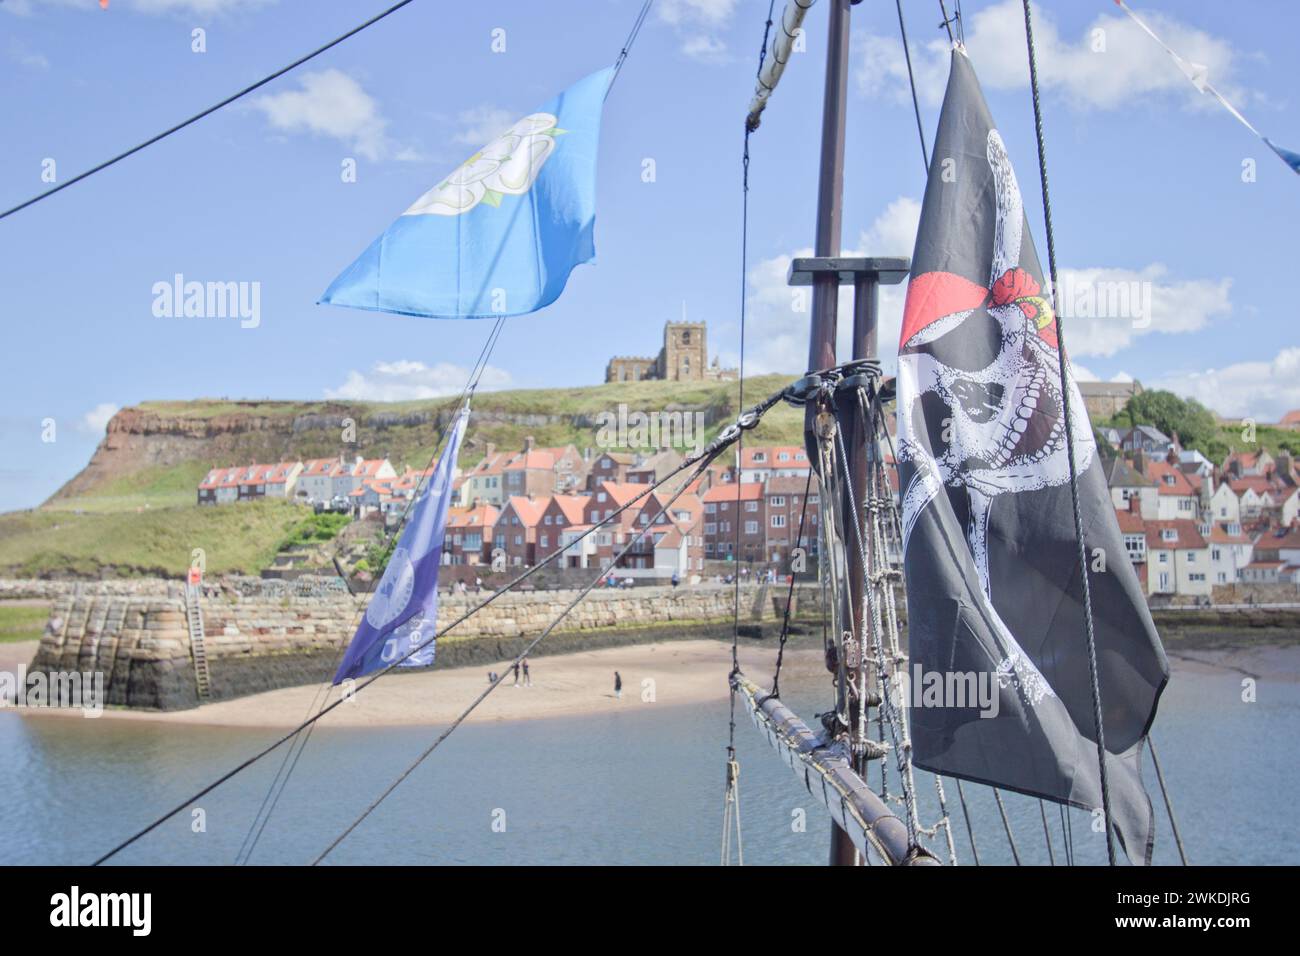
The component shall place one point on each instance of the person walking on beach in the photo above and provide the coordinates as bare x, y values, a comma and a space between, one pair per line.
528, 679
515, 668
618, 686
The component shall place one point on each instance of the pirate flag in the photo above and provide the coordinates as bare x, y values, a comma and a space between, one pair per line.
991, 560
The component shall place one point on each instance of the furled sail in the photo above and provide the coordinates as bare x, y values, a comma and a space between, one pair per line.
991, 561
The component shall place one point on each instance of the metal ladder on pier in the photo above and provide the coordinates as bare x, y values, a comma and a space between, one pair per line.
194, 620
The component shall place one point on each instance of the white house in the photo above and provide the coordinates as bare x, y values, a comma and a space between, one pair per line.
1178, 559
1231, 551
1224, 505
762, 462
1127, 483
1178, 499
314, 481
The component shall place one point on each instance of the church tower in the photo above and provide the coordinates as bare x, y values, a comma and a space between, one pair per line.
685, 355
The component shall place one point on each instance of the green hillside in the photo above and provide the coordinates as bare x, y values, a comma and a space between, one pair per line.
154, 541
122, 517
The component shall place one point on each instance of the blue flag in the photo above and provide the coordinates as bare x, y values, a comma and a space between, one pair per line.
403, 611
501, 234
1287, 156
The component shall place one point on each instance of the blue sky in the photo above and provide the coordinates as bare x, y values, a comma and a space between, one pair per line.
1147, 185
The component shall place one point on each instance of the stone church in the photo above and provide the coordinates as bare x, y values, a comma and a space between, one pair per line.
683, 358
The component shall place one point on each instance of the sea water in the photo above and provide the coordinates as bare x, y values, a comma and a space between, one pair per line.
644, 786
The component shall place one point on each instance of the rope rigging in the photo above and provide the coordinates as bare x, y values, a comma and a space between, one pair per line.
294, 753
205, 112
747, 420
717, 447
731, 794
789, 598
1169, 805
1093, 678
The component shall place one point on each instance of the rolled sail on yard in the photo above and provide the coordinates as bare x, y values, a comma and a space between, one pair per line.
855, 808
778, 55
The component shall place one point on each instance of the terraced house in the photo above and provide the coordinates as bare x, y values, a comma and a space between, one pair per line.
244, 483
468, 540
514, 533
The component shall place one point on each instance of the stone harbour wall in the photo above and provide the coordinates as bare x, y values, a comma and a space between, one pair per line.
141, 641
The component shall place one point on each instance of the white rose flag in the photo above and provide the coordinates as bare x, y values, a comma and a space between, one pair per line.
501, 233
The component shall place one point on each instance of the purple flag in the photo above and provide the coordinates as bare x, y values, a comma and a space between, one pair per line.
403, 610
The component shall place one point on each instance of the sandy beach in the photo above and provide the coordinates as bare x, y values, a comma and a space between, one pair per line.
654, 675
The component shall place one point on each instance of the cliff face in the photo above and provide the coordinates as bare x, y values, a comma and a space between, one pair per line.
142, 443
140, 438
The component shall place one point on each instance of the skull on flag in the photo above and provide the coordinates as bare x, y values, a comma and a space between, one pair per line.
994, 390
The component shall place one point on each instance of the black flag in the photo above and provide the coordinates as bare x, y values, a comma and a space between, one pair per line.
992, 568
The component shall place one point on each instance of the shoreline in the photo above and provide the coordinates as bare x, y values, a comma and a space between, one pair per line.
671, 673
680, 672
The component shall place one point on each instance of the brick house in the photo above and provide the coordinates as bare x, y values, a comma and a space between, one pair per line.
570, 468
655, 467
784, 506
560, 512
601, 504
724, 515
530, 471
609, 466
468, 539
675, 541
515, 530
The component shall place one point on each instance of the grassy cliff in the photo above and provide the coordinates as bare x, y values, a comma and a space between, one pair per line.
132, 509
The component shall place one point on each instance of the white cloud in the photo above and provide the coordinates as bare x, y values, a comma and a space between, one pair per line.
406, 380
1262, 390
1106, 310
778, 314
21, 54
706, 49
1130, 66
96, 420
331, 103
697, 23
1084, 374
481, 125
710, 12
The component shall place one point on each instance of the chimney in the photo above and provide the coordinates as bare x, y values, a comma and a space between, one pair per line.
529, 442
1140, 462
1135, 505
491, 449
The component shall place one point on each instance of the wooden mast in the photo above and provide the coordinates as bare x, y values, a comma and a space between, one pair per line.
822, 334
